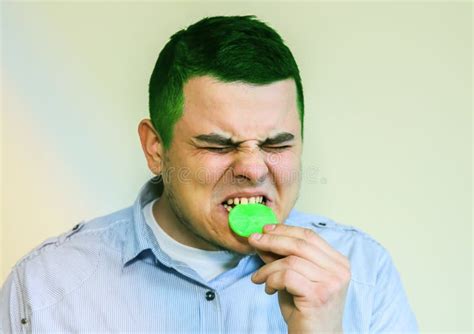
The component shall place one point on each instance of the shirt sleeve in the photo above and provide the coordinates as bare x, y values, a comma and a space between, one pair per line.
10, 306
391, 309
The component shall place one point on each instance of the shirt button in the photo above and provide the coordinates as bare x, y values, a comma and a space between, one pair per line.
210, 295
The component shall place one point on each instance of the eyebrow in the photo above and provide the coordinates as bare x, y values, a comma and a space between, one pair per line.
216, 139
279, 138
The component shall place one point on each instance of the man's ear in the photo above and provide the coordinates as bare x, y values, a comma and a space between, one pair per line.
152, 146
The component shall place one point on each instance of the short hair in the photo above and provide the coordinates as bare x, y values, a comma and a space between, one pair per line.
229, 48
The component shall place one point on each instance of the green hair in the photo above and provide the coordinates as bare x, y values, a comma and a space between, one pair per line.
229, 48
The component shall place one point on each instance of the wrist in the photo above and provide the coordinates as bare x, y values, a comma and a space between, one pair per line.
310, 328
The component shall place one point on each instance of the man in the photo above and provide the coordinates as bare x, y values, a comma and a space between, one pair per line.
225, 129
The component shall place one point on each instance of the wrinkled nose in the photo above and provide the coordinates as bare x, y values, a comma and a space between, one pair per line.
250, 166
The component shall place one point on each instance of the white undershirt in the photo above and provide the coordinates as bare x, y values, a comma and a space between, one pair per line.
208, 264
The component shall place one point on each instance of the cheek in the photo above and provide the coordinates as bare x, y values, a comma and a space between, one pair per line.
286, 169
198, 170
210, 169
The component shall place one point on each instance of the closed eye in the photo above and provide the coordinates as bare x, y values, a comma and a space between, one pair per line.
276, 148
267, 148
218, 149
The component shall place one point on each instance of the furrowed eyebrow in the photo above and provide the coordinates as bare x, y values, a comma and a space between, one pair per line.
279, 138
217, 139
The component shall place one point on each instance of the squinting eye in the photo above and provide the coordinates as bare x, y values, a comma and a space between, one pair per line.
276, 148
223, 149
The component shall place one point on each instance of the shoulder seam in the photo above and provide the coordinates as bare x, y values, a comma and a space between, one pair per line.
37, 251
355, 230
98, 230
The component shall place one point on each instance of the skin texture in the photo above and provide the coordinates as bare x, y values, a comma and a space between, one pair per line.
199, 173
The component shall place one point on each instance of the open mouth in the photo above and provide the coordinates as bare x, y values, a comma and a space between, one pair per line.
233, 202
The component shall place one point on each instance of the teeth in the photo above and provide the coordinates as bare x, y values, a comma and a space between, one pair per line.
232, 202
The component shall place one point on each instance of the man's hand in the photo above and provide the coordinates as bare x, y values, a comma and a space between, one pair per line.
310, 276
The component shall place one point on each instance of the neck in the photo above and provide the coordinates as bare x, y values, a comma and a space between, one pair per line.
175, 227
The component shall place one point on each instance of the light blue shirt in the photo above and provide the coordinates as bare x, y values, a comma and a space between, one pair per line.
109, 275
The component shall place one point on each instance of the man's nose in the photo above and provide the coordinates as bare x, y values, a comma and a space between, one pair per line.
250, 165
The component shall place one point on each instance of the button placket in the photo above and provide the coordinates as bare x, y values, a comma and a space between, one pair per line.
210, 311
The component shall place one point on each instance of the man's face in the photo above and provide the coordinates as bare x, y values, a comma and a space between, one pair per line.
234, 140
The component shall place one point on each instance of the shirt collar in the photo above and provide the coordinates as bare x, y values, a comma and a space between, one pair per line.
141, 237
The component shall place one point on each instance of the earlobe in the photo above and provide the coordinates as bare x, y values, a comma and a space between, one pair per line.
152, 145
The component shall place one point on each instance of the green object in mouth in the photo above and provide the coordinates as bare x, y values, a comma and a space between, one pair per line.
246, 219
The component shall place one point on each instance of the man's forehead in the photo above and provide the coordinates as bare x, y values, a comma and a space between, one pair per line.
206, 96
236, 112
214, 131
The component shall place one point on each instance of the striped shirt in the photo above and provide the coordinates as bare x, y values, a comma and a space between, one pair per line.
109, 275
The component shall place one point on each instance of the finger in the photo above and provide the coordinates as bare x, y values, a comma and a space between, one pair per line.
302, 266
308, 235
268, 257
285, 246
291, 281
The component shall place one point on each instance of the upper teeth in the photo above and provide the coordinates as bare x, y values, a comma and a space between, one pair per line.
243, 200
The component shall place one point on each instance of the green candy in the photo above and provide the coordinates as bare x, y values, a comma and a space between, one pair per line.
246, 219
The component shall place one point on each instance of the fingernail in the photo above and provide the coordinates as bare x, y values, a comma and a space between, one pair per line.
269, 227
256, 236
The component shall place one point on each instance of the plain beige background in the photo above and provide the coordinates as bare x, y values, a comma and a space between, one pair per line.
388, 141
